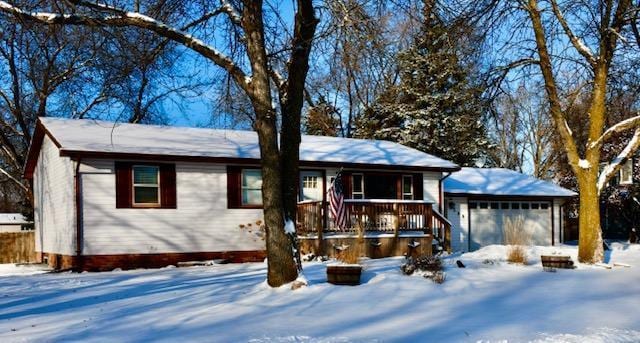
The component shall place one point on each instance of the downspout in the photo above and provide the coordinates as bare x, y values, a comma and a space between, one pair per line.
440, 192
78, 198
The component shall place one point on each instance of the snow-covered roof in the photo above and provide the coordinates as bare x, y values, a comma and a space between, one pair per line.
95, 136
500, 181
12, 218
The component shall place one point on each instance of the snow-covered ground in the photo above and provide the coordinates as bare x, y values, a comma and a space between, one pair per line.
489, 301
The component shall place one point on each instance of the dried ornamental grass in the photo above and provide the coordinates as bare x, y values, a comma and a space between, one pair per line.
349, 254
516, 237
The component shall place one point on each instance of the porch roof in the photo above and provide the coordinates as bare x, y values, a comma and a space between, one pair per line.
94, 137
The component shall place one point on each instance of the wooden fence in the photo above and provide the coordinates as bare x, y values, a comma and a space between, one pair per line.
17, 247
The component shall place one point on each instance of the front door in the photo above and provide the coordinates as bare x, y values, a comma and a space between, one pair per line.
311, 185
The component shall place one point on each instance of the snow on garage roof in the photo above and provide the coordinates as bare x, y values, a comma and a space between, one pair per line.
13, 218
500, 181
94, 136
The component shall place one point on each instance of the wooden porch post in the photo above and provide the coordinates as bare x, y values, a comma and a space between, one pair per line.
396, 219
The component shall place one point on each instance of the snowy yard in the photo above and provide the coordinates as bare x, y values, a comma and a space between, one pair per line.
487, 301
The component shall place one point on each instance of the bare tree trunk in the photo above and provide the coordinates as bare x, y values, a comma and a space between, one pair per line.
281, 266
291, 103
590, 243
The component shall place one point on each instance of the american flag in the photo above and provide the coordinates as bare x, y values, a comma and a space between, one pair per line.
336, 202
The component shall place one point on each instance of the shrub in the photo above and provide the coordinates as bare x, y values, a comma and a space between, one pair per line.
428, 266
349, 254
516, 237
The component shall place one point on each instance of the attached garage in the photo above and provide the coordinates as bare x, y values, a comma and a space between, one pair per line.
480, 201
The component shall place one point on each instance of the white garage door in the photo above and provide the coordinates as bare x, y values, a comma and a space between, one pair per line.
488, 218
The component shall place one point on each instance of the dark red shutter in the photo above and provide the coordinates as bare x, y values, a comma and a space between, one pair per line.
123, 185
347, 184
418, 192
233, 187
168, 186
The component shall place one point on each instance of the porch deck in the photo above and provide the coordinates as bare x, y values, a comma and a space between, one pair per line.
390, 227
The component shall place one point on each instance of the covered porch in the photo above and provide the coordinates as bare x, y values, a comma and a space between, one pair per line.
379, 227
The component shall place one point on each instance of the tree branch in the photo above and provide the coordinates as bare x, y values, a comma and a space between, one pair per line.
555, 105
7, 174
582, 48
631, 123
232, 12
121, 18
614, 166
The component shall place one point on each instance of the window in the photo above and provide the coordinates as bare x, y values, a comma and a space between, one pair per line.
484, 205
146, 185
358, 186
515, 206
504, 205
494, 205
252, 187
544, 206
309, 181
473, 205
626, 173
525, 206
407, 187
535, 206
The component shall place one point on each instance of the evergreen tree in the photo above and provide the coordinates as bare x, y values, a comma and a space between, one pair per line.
435, 107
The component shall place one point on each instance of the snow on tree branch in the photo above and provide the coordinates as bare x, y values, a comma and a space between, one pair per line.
582, 48
231, 11
624, 125
614, 166
122, 18
7, 174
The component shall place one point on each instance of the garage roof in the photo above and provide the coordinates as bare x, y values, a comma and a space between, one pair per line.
12, 219
502, 182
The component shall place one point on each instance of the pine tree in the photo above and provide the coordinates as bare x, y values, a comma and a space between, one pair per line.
435, 107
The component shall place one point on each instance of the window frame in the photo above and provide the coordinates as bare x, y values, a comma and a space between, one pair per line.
145, 185
629, 181
412, 193
354, 194
242, 188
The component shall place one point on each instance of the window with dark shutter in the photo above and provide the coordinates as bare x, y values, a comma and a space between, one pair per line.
244, 187
144, 185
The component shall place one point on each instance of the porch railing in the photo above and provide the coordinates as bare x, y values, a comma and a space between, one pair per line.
375, 215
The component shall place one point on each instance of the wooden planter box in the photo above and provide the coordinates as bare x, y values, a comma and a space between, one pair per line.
553, 261
344, 274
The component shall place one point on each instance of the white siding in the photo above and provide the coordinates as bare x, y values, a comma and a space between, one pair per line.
457, 212
201, 221
54, 211
431, 188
